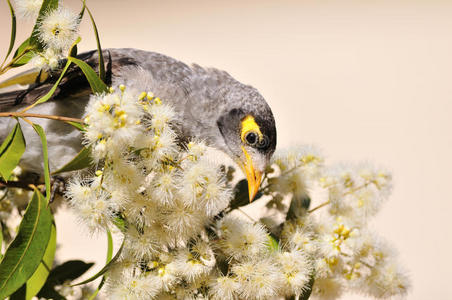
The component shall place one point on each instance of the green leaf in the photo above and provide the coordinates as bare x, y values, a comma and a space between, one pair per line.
79, 126
47, 5
82, 12
24, 254
101, 284
97, 85
23, 59
22, 48
67, 271
104, 269
39, 277
49, 94
110, 246
99, 48
23, 54
11, 151
120, 223
45, 159
13, 30
80, 161
109, 256
272, 244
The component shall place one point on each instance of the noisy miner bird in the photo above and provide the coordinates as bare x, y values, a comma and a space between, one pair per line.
210, 105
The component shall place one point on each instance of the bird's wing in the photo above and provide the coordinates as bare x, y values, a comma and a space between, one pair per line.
170, 78
35, 84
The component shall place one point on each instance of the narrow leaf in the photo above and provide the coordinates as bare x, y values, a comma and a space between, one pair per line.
273, 244
23, 59
23, 54
79, 126
13, 30
39, 277
120, 223
24, 254
109, 256
11, 151
101, 284
45, 158
22, 48
110, 246
82, 12
67, 271
97, 85
80, 161
49, 94
99, 48
104, 269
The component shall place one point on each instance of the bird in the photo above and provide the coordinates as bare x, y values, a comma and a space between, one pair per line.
210, 105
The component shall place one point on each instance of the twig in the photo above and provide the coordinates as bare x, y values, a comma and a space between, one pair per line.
16, 184
32, 115
246, 215
319, 206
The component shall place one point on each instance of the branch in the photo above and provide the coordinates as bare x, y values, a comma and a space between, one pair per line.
319, 206
17, 184
31, 115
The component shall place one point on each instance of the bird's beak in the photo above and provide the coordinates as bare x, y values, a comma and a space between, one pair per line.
253, 175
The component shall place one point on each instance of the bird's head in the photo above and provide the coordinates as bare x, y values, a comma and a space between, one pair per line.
249, 135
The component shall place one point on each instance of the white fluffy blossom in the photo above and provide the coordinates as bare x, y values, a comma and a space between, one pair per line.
356, 191
90, 203
49, 59
28, 9
259, 279
296, 271
58, 29
386, 280
223, 288
114, 123
240, 239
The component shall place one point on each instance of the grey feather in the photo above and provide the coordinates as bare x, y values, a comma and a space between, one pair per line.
203, 100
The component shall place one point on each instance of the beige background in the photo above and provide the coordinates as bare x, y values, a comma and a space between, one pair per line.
360, 79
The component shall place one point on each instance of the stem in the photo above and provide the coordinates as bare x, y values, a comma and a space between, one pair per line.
32, 115
319, 206
246, 215
3, 69
16, 184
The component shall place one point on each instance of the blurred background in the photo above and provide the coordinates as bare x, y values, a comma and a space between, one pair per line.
362, 80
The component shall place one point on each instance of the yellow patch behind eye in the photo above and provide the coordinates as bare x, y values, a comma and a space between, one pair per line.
249, 124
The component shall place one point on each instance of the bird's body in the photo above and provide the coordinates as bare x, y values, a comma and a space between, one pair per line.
209, 104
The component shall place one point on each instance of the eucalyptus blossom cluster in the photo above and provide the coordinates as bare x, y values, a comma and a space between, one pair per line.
56, 30
331, 226
181, 238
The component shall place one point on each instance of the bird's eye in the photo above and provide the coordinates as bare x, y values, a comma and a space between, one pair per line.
251, 138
